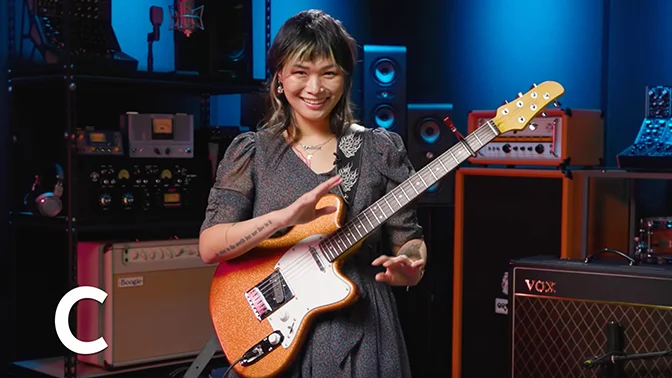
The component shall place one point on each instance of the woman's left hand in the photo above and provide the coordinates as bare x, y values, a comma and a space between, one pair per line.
400, 270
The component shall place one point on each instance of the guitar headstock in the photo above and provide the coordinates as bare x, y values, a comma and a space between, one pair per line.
516, 115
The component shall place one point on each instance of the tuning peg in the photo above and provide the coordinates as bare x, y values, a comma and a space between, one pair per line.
532, 126
504, 102
533, 86
520, 95
543, 114
557, 104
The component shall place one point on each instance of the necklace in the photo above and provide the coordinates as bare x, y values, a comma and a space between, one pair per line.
313, 148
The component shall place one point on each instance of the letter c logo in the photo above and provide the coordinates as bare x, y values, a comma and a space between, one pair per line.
63, 326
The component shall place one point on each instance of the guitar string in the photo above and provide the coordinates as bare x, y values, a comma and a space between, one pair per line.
294, 268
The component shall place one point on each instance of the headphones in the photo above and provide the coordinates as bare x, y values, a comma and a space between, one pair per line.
46, 203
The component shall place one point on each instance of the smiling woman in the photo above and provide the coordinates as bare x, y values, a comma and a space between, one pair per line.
272, 179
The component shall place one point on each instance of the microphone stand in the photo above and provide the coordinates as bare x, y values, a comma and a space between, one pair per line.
156, 18
150, 52
614, 356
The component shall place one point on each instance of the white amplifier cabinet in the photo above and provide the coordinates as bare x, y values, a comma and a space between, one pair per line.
158, 301
159, 135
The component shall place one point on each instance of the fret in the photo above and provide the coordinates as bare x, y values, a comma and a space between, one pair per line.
326, 250
348, 233
453, 155
369, 220
494, 130
396, 199
416, 192
444, 167
435, 178
423, 181
357, 227
401, 187
478, 139
381, 211
332, 247
388, 203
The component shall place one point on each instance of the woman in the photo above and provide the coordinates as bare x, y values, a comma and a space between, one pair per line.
275, 177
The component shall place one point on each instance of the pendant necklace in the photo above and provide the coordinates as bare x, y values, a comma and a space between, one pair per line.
313, 148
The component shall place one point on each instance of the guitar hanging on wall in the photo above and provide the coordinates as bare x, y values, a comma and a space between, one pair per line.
263, 302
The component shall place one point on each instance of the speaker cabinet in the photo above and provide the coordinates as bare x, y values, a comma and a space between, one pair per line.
564, 315
504, 214
384, 88
429, 137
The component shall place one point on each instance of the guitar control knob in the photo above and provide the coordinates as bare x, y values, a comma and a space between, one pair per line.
284, 316
274, 339
506, 148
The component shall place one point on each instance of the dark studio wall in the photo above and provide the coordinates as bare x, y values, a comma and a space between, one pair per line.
473, 54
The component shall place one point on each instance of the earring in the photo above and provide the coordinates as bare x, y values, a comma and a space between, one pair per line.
280, 88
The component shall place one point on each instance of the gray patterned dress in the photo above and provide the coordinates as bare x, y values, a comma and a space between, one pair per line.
259, 174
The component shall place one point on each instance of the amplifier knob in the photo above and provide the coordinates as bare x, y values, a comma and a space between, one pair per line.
123, 175
539, 149
128, 199
105, 200
506, 148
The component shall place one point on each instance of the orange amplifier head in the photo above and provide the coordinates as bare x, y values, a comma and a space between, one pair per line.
564, 137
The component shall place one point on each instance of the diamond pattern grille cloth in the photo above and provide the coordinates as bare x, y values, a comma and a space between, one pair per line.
553, 337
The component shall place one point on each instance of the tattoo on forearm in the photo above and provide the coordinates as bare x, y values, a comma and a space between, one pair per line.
242, 240
411, 249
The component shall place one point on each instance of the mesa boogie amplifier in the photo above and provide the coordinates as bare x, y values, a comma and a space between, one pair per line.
158, 301
559, 310
159, 135
569, 137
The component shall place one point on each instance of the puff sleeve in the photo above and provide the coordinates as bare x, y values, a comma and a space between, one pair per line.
394, 165
231, 197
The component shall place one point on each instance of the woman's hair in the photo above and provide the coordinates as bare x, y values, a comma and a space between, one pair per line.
308, 36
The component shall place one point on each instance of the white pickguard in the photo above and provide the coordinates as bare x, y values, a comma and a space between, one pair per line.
311, 286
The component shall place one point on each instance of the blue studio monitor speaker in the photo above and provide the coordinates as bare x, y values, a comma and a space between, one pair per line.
384, 88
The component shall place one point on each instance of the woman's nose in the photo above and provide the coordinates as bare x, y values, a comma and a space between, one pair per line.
314, 85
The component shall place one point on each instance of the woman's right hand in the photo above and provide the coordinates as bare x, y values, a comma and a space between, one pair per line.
303, 209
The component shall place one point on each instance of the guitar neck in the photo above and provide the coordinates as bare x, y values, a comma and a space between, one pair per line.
336, 244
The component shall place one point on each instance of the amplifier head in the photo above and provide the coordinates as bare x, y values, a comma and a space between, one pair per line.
159, 135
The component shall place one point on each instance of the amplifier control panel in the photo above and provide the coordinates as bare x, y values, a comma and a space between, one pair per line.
166, 190
556, 138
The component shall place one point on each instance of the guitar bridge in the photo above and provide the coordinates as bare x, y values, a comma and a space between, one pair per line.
268, 295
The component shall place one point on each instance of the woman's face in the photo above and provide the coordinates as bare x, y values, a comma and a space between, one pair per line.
312, 88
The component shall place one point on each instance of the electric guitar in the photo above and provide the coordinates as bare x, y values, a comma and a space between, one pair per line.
263, 302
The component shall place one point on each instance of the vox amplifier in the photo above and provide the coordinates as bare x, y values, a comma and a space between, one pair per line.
562, 314
157, 306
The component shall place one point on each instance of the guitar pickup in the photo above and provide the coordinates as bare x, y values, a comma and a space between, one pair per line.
268, 295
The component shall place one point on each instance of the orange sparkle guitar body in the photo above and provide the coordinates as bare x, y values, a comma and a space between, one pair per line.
236, 325
263, 303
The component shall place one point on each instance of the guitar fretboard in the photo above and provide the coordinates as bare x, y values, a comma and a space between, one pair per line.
375, 215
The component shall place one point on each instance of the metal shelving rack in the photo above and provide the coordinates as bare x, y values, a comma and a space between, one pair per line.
70, 78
